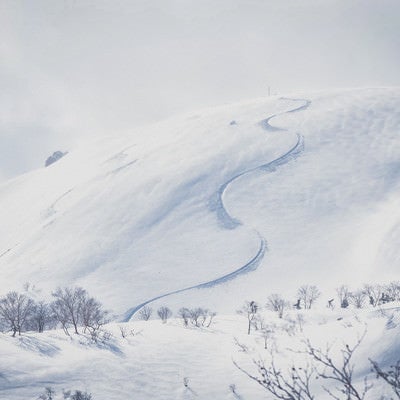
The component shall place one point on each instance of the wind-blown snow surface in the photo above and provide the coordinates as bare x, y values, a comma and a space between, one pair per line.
132, 218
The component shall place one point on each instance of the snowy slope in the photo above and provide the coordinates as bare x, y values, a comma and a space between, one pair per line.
139, 216
152, 363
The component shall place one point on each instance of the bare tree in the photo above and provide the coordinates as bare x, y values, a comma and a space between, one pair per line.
211, 315
276, 302
164, 313
79, 395
341, 371
48, 394
92, 315
184, 313
393, 291
374, 293
241, 346
249, 309
390, 376
196, 315
343, 294
145, 313
41, 316
267, 333
124, 331
357, 298
67, 306
308, 294
15, 310
61, 316
293, 384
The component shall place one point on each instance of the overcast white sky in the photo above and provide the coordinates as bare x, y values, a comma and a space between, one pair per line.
75, 68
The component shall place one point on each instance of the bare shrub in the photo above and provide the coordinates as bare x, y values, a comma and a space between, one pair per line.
393, 291
339, 371
391, 376
267, 333
184, 313
201, 317
343, 294
358, 298
48, 394
198, 317
242, 347
124, 331
249, 309
374, 293
92, 316
210, 315
145, 313
77, 395
295, 382
291, 384
164, 313
276, 302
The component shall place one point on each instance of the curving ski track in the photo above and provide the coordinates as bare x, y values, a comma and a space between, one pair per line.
230, 222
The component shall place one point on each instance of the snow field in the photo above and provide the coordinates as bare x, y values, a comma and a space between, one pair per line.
154, 361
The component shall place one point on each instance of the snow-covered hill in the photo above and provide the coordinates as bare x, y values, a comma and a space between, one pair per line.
305, 197
153, 359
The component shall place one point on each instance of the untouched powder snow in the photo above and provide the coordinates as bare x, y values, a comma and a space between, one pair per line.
136, 217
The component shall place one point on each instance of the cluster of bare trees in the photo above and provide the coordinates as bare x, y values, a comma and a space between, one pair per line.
50, 394
307, 296
72, 308
196, 317
163, 313
294, 382
373, 295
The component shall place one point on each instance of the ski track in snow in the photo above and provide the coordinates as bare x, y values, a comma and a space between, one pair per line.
230, 222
